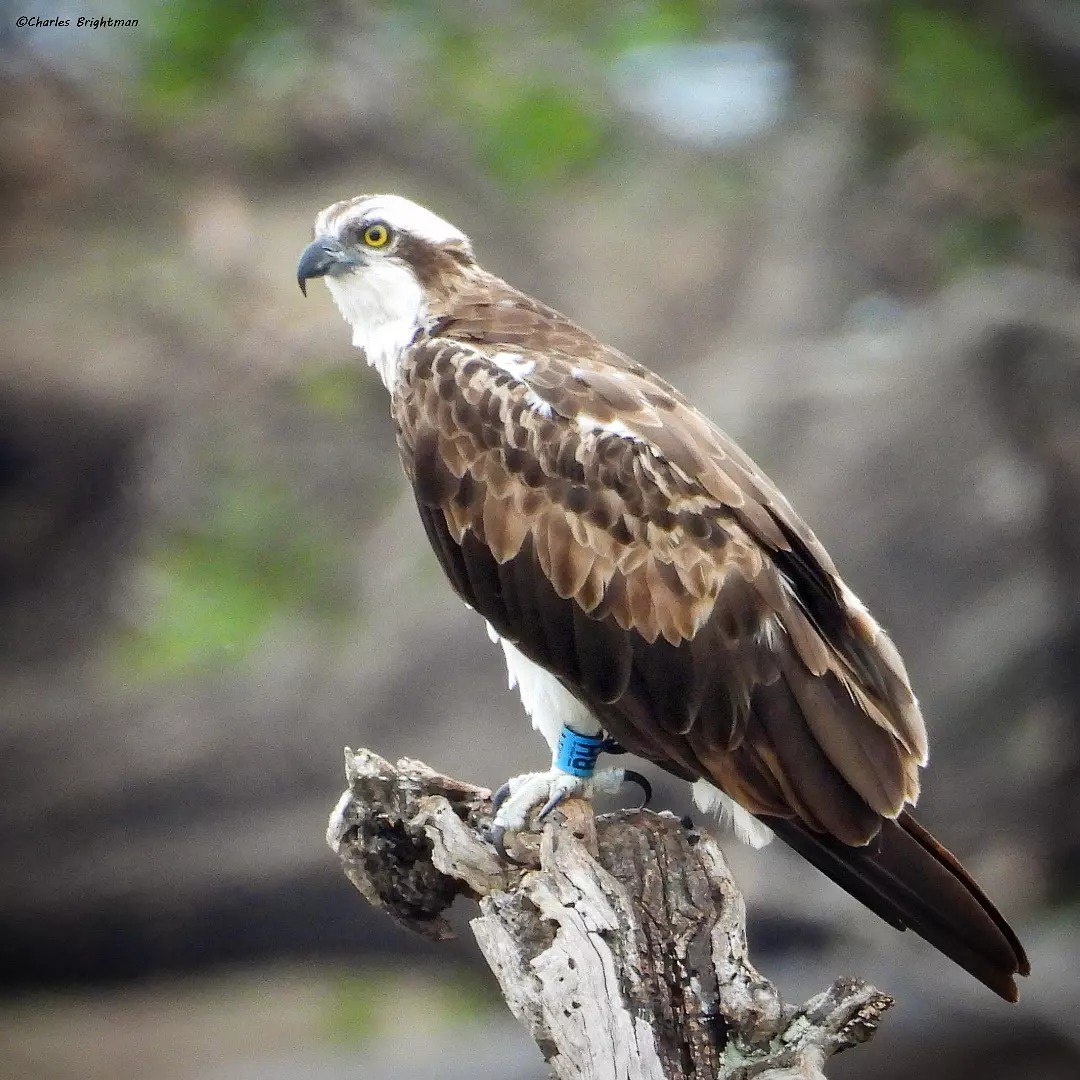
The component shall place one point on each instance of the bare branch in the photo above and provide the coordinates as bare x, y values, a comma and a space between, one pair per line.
622, 948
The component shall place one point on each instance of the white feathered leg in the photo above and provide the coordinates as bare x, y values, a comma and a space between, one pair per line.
551, 707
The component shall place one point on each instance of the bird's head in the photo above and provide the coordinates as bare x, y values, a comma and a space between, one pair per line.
390, 265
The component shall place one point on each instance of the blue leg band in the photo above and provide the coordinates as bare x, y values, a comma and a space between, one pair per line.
578, 753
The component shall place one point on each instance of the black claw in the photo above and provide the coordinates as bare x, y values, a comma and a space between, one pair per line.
646, 788
551, 804
500, 796
497, 836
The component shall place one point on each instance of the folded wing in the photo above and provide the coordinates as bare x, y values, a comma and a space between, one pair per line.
621, 541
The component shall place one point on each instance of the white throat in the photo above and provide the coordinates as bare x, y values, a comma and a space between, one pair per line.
384, 305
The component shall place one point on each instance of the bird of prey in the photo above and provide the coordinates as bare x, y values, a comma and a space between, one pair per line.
651, 589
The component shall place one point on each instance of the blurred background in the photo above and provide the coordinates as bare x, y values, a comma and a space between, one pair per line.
851, 231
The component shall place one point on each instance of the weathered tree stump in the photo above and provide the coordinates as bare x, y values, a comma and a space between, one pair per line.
622, 949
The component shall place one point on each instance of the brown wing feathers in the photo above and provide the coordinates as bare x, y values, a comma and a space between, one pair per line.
605, 527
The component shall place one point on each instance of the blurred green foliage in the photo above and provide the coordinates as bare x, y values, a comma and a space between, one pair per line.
952, 76
339, 393
629, 26
219, 589
367, 1003
541, 134
527, 90
596, 27
359, 999
195, 45
969, 241
537, 113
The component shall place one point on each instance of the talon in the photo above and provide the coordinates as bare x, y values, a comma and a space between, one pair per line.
500, 796
497, 836
646, 788
550, 805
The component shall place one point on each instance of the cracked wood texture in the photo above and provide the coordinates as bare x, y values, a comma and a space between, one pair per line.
620, 945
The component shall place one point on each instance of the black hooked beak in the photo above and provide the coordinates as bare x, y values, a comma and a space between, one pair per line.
318, 259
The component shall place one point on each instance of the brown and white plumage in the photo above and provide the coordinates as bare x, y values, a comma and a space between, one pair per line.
629, 553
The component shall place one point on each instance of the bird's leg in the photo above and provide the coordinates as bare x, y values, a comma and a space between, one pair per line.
573, 773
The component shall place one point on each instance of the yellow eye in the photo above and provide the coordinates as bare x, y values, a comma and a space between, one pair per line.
376, 235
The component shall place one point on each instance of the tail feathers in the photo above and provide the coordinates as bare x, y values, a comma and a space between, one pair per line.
907, 878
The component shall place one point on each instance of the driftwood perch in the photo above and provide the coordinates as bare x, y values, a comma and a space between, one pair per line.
622, 950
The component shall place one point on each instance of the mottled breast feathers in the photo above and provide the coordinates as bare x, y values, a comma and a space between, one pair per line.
606, 527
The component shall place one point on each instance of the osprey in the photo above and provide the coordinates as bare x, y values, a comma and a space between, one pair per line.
651, 589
